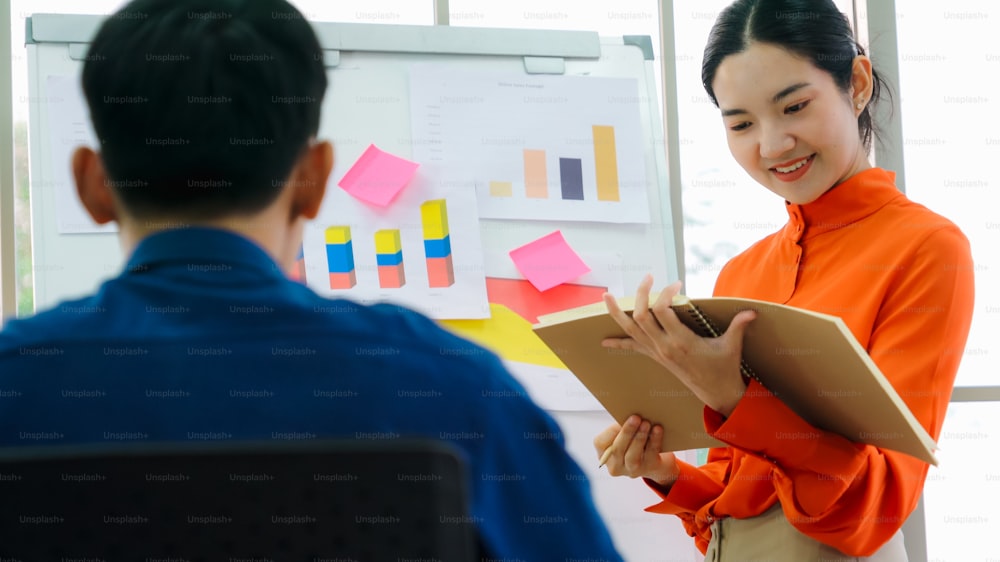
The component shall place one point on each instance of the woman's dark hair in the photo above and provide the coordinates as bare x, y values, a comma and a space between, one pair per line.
202, 107
813, 29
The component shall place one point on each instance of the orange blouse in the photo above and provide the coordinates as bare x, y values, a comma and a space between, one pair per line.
901, 277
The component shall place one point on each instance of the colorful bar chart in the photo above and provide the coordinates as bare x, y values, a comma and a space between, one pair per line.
606, 163
437, 243
340, 257
536, 178
389, 256
569, 155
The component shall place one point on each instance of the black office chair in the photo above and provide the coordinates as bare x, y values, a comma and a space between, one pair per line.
309, 501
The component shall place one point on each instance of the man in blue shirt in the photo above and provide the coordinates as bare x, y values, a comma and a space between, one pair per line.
203, 337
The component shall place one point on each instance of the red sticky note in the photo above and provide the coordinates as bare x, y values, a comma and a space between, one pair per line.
548, 261
530, 303
377, 177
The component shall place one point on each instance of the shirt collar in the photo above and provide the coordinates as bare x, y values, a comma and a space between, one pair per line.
200, 245
848, 202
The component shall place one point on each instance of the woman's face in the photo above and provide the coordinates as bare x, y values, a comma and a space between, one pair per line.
788, 124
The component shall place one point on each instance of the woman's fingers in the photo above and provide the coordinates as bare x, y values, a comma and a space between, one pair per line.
634, 454
627, 456
604, 439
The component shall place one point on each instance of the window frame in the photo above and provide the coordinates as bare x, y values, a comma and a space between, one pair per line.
8, 298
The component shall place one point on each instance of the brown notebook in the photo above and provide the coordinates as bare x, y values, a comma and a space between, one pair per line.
811, 361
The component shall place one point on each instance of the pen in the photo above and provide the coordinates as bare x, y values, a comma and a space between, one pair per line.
606, 456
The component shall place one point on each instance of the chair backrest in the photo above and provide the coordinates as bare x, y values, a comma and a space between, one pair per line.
318, 500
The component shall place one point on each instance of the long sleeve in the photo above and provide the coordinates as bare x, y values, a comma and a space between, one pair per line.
901, 278
696, 487
852, 496
849, 495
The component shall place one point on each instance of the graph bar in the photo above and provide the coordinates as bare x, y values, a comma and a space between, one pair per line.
606, 163
434, 218
438, 248
501, 189
391, 276
389, 255
571, 178
437, 243
440, 272
343, 280
340, 257
536, 178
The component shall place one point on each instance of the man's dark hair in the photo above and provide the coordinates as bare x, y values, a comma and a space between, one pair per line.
202, 107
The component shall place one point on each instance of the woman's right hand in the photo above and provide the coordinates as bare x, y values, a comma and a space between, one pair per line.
633, 450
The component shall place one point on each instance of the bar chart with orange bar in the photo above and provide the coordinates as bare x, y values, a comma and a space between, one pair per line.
570, 180
537, 146
424, 252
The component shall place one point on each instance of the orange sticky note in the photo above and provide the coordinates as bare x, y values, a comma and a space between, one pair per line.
377, 176
548, 261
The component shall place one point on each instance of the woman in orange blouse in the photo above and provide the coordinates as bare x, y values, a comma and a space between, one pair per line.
795, 91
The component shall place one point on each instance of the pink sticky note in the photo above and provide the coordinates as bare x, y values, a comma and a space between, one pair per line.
548, 261
377, 177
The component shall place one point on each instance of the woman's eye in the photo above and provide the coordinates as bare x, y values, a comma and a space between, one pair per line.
739, 126
797, 107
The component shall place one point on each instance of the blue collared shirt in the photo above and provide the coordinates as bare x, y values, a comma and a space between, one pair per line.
202, 337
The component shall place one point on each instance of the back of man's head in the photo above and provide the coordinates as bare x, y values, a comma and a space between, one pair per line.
202, 107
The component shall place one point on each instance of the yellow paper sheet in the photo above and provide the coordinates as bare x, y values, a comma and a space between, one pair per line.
508, 335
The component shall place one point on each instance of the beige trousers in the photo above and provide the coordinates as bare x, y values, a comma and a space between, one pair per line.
770, 537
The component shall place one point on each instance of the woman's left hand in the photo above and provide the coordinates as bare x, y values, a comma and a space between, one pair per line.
709, 367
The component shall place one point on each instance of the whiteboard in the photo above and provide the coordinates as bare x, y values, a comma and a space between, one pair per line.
368, 102
367, 63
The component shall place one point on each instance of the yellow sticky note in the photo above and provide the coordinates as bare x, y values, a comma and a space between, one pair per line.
508, 335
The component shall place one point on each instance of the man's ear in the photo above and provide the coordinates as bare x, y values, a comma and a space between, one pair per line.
309, 180
92, 186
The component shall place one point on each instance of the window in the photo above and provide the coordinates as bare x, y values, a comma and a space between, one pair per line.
951, 140
948, 62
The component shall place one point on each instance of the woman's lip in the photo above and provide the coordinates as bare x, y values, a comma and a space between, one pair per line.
790, 163
797, 173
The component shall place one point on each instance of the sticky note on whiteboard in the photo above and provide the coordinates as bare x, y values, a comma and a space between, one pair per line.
377, 176
548, 261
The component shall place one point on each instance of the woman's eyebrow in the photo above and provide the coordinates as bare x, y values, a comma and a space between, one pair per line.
777, 98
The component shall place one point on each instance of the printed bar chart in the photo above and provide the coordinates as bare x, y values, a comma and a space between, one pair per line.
536, 178
437, 243
571, 178
536, 181
389, 256
606, 163
567, 152
340, 257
